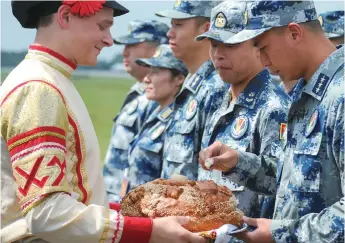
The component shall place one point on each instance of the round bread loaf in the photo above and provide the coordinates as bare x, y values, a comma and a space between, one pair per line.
209, 206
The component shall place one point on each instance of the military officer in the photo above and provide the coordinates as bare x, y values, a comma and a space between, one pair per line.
164, 81
202, 92
310, 178
141, 42
333, 25
254, 111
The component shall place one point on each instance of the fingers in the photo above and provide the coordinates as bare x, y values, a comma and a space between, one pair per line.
244, 236
188, 236
202, 159
250, 221
226, 160
195, 238
247, 236
214, 149
221, 163
181, 219
206, 154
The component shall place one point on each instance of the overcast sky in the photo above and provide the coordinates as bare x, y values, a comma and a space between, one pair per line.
15, 38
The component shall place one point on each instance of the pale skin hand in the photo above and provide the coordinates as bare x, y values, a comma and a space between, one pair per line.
262, 234
223, 157
170, 230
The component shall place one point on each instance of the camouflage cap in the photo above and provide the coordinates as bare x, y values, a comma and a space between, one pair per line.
185, 9
261, 16
332, 23
227, 19
140, 31
163, 58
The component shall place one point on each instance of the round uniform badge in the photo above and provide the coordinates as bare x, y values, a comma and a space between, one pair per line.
132, 107
239, 127
191, 109
312, 123
157, 132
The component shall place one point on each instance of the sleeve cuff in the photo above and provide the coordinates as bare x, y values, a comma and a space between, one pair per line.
136, 228
115, 206
247, 166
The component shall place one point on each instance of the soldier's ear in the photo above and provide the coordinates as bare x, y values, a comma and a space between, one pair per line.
206, 26
179, 80
295, 32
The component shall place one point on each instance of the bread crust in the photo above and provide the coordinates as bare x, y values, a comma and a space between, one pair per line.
208, 205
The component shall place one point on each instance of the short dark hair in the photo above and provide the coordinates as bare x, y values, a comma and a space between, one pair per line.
175, 73
313, 26
153, 43
200, 20
45, 21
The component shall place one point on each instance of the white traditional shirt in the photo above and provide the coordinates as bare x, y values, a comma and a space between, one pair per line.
52, 184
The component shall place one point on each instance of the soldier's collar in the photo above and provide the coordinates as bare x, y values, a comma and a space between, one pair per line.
194, 82
318, 83
164, 114
251, 93
295, 92
139, 87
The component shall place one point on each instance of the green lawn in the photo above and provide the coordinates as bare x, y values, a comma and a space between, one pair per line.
103, 98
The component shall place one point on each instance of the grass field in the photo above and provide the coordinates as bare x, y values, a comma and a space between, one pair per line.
103, 98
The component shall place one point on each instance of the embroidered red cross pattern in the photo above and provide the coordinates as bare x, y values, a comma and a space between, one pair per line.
62, 166
32, 179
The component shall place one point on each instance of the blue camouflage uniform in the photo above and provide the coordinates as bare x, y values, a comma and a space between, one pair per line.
332, 23
145, 153
134, 111
253, 122
309, 184
200, 96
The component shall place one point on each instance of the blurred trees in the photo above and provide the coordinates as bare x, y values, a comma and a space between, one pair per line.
12, 59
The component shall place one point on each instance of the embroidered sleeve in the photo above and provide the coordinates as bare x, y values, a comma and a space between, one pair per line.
34, 125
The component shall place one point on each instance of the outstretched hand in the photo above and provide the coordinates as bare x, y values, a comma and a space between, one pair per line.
218, 156
262, 233
170, 230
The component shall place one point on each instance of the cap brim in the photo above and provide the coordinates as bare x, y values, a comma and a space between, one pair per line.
156, 62
29, 12
214, 34
127, 40
245, 35
333, 35
147, 62
174, 14
118, 8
